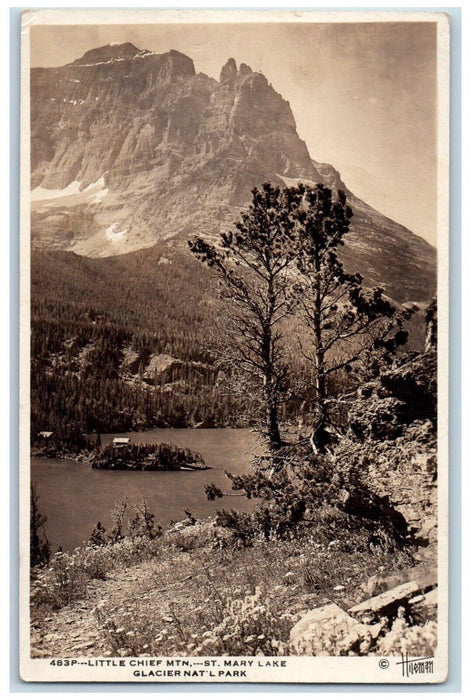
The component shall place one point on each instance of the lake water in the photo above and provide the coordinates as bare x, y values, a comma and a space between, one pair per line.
74, 496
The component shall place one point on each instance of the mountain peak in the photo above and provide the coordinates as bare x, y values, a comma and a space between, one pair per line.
138, 148
110, 52
228, 71
244, 69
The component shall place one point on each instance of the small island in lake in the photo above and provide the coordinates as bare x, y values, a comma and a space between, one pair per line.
160, 457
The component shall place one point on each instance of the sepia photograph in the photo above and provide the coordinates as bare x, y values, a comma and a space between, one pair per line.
234, 346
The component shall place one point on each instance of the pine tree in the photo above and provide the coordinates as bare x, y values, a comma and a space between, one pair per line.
348, 326
252, 264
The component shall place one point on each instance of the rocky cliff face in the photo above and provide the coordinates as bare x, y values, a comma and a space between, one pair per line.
130, 147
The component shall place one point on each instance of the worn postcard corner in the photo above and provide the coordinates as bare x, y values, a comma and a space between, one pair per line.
234, 279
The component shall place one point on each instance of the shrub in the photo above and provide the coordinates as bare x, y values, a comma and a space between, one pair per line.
60, 584
40, 548
335, 640
66, 578
142, 524
189, 536
403, 639
302, 493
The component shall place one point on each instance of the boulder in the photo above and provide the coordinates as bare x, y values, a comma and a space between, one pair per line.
387, 603
424, 574
330, 631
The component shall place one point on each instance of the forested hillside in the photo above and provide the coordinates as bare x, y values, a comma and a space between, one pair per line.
127, 342
123, 343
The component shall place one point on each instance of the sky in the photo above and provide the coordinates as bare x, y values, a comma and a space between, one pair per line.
363, 94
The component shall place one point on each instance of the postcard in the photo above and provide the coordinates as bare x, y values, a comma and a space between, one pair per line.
234, 346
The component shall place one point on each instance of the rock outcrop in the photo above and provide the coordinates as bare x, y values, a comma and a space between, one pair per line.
385, 603
130, 147
393, 421
368, 627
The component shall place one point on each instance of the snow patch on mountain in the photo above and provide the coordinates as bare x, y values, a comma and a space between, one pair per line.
71, 195
113, 235
42, 193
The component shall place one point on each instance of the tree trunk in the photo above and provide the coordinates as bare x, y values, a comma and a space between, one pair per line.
271, 391
272, 426
319, 437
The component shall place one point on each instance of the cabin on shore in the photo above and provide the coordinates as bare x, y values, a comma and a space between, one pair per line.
45, 434
121, 442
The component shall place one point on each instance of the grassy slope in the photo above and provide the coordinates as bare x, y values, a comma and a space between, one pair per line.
170, 602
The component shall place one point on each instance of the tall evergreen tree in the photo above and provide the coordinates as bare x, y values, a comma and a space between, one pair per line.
347, 324
253, 266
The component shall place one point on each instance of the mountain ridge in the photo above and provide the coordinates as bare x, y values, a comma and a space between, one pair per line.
110, 52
